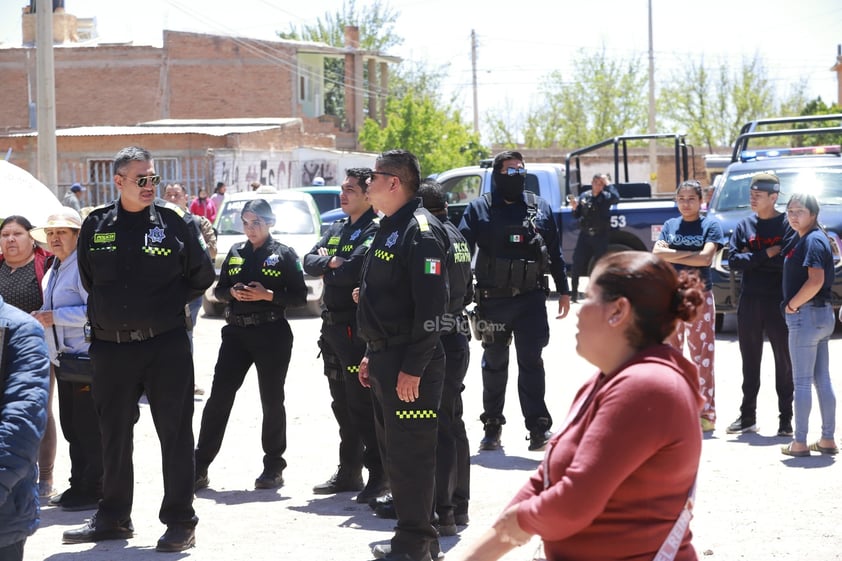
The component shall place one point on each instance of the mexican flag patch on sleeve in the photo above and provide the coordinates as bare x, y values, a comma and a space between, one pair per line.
432, 266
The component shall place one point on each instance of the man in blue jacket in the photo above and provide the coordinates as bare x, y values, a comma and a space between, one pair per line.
24, 382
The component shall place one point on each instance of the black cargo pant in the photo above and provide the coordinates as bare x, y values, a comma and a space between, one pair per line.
80, 427
453, 455
351, 402
269, 347
163, 368
407, 433
588, 247
757, 315
525, 317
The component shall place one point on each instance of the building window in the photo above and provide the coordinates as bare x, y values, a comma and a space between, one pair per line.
101, 178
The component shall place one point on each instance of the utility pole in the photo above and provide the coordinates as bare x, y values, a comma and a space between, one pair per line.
46, 95
653, 146
474, 72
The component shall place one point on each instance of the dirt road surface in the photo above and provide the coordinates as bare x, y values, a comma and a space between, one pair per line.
752, 502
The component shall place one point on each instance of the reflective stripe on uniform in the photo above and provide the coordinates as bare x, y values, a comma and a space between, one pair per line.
416, 414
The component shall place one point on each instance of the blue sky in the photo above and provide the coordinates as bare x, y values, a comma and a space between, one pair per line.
519, 42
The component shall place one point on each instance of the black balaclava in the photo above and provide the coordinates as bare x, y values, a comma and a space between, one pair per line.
510, 186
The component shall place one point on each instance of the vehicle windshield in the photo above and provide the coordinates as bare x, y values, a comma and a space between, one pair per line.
824, 182
291, 217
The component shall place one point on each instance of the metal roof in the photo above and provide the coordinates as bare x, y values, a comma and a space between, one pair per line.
218, 130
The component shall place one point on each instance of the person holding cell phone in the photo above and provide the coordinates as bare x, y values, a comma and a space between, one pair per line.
259, 279
593, 210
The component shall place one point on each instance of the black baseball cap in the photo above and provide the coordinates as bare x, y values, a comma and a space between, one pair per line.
767, 182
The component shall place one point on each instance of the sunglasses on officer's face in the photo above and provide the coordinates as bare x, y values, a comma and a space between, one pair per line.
144, 180
515, 171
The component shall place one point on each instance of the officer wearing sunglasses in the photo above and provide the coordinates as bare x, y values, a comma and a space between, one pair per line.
141, 263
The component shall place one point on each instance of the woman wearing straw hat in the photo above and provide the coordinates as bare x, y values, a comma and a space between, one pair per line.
63, 315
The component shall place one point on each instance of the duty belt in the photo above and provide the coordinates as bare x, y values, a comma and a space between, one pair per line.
484, 293
377, 345
128, 336
334, 318
594, 231
250, 320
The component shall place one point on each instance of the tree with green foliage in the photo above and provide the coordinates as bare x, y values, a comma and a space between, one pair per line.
819, 107
712, 106
419, 124
604, 97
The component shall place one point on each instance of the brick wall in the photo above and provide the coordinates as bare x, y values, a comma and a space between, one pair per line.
212, 76
193, 76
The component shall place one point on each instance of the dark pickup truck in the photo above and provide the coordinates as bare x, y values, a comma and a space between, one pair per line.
814, 168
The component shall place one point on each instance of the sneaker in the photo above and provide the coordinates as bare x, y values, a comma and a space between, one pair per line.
785, 428
538, 440
740, 426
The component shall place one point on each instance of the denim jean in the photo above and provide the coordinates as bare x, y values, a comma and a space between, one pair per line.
809, 331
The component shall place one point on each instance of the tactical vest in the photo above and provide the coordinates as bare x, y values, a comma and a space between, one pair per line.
526, 260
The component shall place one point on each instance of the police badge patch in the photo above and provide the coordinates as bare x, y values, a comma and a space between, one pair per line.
156, 234
271, 261
355, 235
392, 239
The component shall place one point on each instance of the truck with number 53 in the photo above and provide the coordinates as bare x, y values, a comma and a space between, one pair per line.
636, 220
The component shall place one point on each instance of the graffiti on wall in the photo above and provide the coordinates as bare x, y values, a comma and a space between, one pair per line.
239, 171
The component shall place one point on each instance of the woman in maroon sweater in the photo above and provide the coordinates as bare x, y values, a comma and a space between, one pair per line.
618, 473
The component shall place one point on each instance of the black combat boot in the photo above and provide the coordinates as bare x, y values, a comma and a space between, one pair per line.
343, 480
491, 440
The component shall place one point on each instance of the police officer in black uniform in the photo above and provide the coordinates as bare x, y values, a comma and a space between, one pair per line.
259, 279
141, 263
593, 209
403, 297
338, 258
453, 454
518, 245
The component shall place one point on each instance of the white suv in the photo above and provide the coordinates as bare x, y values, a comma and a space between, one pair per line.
297, 224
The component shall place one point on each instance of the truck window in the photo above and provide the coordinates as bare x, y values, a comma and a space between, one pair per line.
825, 182
462, 189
